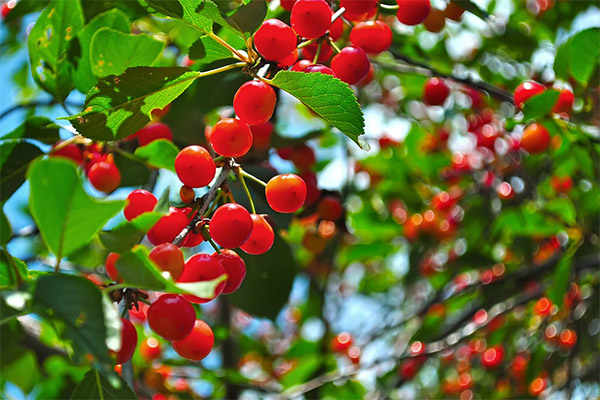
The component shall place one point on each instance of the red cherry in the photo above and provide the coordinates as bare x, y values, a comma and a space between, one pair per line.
567, 338
410, 367
330, 208
128, 342
311, 18
368, 78
105, 176
537, 386
564, 103
351, 65
492, 357
336, 29
138, 202
370, 14
150, 349
435, 21
152, 132
230, 225
254, 102
543, 307
454, 11
535, 139
193, 239
198, 344
168, 257
168, 227
561, 184
302, 155
275, 40
505, 191
286, 193
284, 152
301, 65
371, 36
413, 12
341, 342
110, 264
261, 135
194, 166
262, 236
187, 194
435, 92
235, 268
319, 68
290, 59
171, 317
526, 90
231, 137
200, 268
358, 6
312, 190
161, 112
70, 151
354, 355
7, 6
309, 52
138, 315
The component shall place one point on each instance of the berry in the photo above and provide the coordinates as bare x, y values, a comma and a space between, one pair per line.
537, 386
410, 367
254, 102
309, 52
371, 36
287, 4
235, 268
168, 257
311, 18
200, 268
110, 264
336, 29
320, 69
290, 59
492, 357
275, 40
526, 90
454, 11
330, 208
535, 139
231, 137
435, 92
286, 193
152, 132
150, 349
193, 239
312, 190
187, 194
561, 184
564, 103
161, 112
543, 307
198, 344
171, 317
358, 6
413, 12
70, 151
194, 166
262, 236
138, 202
435, 21
230, 225
168, 227
128, 342
567, 338
341, 342
301, 65
104, 175
261, 135
351, 65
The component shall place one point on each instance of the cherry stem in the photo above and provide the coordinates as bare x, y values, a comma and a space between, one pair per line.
228, 47
209, 239
220, 69
252, 177
307, 43
333, 45
214, 203
316, 57
243, 182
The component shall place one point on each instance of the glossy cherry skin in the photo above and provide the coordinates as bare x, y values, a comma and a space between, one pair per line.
193, 239
535, 139
312, 189
358, 6
200, 268
254, 102
110, 264
168, 257
330, 208
564, 103
138, 202
309, 52
527, 90
311, 18
341, 342
235, 268
262, 236
492, 357
187, 194
336, 29
320, 68
168, 227
287, 4
261, 135
231, 137
128, 342
301, 65
171, 316
150, 349
275, 40
290, 59
351, 65
303, 156
198, 344
413, 12
71, 152
454, 11
194, 166
371, 36
152, 132
286, 193
105, 176
435, 92
230, 225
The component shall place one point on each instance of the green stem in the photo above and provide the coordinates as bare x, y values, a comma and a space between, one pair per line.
243, 182
228, 47
209, 239
220, 69
316, 58
100, 393
252, 177
307, 43
333, 45
214, 204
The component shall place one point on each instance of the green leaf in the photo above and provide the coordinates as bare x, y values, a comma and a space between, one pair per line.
306, 366
9, 268
586, 52
14, 160
23, 372
201, 14
129, 233
37, 128
66, 216
95, 386
5, 229
560, 281
112, 52
540, 105
48, 43
525, 222
564, 209
329, 97
121, 105
206, 50
248, 18
159, 153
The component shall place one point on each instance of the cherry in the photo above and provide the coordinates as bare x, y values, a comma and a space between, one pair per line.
330, 208
454, 11
435, 92
152, 132
311, 18
286, 193
194, 166
128, 342
336, 29
537, 386
564, 103
358, 6
138, 202
350, 65
527, 90
111, 269
7, 7
171, 317
193, 239
435, 21
261, 135
561, 184
301, 65
371, 36
161, 112
312, 190
290, 59
341, 342
231, 137
505, 191
358, 17
150, 349
200, 268
230, 225
354, 355
168, 257
320, 69
567, 338
187, 194
138, 315
104, 175
309, 52
492, 357
235, 268
535, 139
275, 40
413, 12
71, 152
198, 344
543, 307
254, 102
368, 78
410, 367
262, 236
168, 227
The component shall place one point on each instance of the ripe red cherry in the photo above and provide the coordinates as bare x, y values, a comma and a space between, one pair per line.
351, 65
152, 132
231, 137
358, 6
275, 40
254, 102
312, 189
537, 386
535, 138
286, 193
564, 103
320, 68
454, 11
128, 342
230, 225
435, 92
330, 208
150, 349
198, 344
187, 194
287, 4
235, 268
526, 90
200, 268
435, 21
138, 202
194, 166
543, 307
492, 357
168, 257
341, 342
290, 59
412, 12
171, 317
371, 36
193, 239
70, 151
336, 29
111, 269
261, 135
309, 52
561, 184
301, 65
567, 338
104, 175
311, 18
168, 227
262, 236
410, 367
